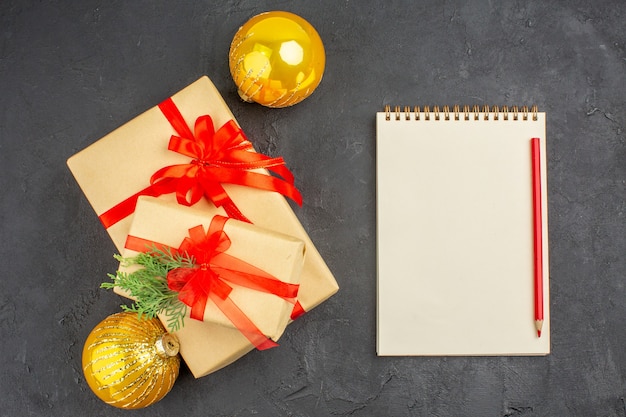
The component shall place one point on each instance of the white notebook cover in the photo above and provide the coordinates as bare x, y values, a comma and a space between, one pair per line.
455, 236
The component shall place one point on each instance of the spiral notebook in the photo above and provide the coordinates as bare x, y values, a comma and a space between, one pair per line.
455, 232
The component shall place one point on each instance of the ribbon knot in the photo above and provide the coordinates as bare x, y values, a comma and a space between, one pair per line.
218, 157
195, 285
203, 163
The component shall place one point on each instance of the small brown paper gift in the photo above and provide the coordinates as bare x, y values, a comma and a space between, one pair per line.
159, 223
278, 255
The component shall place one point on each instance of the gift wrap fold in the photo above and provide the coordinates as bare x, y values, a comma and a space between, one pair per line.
121, 164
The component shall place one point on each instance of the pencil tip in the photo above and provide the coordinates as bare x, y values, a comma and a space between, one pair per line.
538, 333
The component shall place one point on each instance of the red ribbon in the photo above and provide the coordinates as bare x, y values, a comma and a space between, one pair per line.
211, 274
297, 311
218, 157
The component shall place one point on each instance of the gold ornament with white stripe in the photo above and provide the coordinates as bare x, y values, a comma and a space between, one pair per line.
130, 362
276, 59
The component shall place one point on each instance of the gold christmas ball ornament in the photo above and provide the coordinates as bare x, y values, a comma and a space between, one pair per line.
130, 362
276, 59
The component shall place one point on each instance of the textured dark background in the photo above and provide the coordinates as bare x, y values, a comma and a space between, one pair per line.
72, 71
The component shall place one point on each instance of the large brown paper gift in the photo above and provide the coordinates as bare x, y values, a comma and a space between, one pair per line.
121, 164
279, 255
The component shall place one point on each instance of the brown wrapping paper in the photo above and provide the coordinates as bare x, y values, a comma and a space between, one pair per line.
277, 254
120, 164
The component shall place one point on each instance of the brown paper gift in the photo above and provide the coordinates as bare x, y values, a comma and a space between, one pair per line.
120, 164
277, 254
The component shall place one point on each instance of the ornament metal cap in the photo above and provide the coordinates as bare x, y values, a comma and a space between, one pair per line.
167, 345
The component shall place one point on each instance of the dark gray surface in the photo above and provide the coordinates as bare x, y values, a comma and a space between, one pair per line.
70, 72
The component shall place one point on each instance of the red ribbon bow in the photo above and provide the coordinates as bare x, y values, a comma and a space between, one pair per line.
218, 157
211, 274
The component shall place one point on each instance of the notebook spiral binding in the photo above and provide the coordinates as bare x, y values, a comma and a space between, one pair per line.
486, 113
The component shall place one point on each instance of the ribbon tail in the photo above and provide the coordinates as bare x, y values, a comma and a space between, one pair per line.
243, 323
216, 193
239, 272
271, 183
234, 212
297, 311
260, 181
197, 309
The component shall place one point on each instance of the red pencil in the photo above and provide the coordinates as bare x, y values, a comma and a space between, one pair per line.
537, 228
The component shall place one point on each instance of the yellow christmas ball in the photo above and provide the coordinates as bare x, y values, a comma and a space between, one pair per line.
276, 59
130, 362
